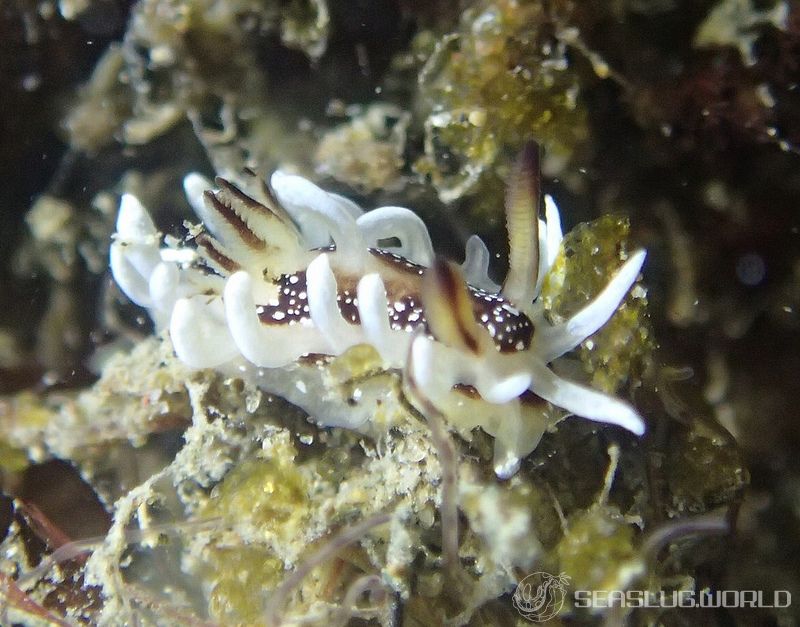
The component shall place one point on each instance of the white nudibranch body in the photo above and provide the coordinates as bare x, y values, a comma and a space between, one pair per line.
287, 275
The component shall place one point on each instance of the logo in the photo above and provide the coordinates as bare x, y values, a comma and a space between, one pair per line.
540, 596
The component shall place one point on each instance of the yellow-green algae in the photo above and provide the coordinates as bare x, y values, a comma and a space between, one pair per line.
498, 80
599, 549
269, 494
23, 418
590, 254
239, 579
12, 460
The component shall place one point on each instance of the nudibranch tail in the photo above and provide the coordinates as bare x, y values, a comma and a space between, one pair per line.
286, 276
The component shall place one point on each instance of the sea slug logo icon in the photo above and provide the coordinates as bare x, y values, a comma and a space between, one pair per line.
540, 596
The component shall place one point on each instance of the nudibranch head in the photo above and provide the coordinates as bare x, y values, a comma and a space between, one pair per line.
283, 271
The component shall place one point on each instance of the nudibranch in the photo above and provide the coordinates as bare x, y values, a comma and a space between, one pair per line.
286, 275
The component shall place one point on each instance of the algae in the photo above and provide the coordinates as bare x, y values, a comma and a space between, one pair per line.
501, 77
591, 252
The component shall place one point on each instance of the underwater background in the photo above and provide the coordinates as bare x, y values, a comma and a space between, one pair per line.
666, 124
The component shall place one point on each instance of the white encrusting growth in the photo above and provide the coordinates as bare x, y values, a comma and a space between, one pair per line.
274, 298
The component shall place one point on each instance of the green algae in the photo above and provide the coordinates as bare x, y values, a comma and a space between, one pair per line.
269, 494
498, 80
590, 254
599, 550
239, 582
12, 460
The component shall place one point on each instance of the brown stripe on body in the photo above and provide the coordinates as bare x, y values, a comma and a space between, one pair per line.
214, 254
247, 201
235, 220
447, 305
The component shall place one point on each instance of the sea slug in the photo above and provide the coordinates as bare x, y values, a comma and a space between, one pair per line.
283, 277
